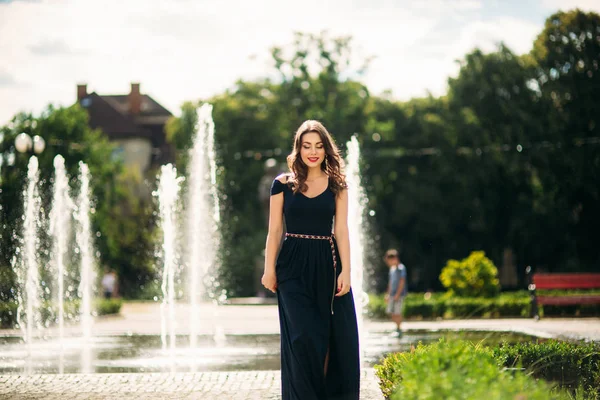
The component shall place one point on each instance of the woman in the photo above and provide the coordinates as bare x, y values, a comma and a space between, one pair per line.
311, 275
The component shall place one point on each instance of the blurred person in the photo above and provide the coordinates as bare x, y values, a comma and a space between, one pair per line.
311, 274
397, 289
109, 283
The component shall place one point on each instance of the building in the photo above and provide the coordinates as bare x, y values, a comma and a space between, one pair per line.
135, 122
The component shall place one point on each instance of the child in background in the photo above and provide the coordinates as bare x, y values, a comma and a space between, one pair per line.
396, 288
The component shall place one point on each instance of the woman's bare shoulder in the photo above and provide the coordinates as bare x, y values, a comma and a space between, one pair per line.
283, 178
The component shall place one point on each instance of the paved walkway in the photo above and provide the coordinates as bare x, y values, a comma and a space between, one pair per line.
586, 329
144, 318
259, 385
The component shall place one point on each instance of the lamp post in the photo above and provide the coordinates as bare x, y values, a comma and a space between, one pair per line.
25, 144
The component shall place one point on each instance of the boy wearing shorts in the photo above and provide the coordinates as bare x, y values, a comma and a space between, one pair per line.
396, 288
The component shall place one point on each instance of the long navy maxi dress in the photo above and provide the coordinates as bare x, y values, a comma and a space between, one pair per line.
312, 320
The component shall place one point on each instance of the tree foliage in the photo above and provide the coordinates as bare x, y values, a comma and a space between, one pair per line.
118, 212
483, 167
508, 161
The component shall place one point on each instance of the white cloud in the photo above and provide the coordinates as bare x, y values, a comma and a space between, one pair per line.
585, 5
178, 50
6, 79
428, 67
187, 49
51, 48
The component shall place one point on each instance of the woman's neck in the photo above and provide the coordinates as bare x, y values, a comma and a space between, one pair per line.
315, 173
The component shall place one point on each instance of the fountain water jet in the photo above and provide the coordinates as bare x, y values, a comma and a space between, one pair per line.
168, 194
29, 295
87, 274
203, 215
85, 245
60, 223
356, 217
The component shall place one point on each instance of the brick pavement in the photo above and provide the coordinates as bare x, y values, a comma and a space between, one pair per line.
141, 318
249, 385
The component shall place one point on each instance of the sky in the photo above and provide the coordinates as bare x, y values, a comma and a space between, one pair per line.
180, 50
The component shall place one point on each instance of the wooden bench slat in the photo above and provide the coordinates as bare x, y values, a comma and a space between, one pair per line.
566, 281
562, 281
569, 300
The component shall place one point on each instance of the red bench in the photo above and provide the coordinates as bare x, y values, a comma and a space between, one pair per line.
562, 281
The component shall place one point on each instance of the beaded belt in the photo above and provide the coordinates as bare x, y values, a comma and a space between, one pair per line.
330, 238
317, 237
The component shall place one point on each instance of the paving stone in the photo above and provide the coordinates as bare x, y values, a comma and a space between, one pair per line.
247, 385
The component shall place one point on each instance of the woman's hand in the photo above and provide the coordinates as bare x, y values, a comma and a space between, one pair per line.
343, 283
269, 280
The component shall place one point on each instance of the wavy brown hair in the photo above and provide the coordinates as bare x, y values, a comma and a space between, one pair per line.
332, 165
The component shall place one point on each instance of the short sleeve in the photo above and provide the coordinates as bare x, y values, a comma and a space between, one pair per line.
277, 187
402, 272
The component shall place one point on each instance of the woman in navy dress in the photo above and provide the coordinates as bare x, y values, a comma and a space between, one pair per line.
311, 274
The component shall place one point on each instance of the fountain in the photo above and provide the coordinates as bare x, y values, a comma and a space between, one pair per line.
202, 216
28, 273
87, 274
168, 194
60, 223
127, 351
30, 269
357, 200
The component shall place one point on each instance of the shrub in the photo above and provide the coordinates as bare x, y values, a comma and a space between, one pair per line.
571, 365
416, 305
376, 306
108, 306
473, 276
8, 314
510, 304
438, 305
49, 311
501, 306
456, 370
425, 305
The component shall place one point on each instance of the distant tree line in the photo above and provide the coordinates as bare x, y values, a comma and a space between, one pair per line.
507, 161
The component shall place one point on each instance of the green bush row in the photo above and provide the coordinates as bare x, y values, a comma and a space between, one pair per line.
49, 311
456, 370
442, 305
571, 365
430, 306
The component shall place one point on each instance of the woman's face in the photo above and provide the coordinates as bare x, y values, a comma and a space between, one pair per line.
312, 149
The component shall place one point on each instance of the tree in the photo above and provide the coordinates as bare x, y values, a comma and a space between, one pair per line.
256, 121
118, 213
567, 55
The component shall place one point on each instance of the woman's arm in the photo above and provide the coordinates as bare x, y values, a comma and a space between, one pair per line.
343, 240
269, 279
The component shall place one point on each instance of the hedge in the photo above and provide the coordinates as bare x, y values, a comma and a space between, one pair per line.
506, 305
456, 370
49, 312
571, 365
